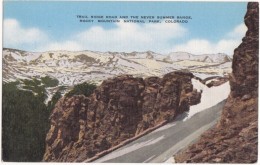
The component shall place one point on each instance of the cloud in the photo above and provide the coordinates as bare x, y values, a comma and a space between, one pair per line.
67, 45
202, 46
238, 32
16, 36
225, 45
124, 37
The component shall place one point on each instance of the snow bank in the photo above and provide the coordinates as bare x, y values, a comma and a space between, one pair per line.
198, 85
129, 149
209, 98
167, 126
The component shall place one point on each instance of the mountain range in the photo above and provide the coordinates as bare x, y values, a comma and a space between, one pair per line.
72, 68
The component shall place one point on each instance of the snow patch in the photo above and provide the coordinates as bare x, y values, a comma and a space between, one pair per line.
70, 70
197, 84
129, 149
204, 75
164, 127
215, 79
209, 97
49, 96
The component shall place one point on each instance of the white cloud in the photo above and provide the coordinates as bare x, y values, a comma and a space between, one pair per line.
225, 45
202, 46
238, 32
15, 35
124, 37
67, 45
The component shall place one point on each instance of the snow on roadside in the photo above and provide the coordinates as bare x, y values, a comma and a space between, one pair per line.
129, 149
167, 126
209, 97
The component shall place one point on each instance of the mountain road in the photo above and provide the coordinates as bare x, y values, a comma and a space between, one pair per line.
161, 144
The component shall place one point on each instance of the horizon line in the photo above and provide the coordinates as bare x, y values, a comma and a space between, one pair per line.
116, 52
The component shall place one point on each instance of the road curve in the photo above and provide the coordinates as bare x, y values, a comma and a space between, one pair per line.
161, 144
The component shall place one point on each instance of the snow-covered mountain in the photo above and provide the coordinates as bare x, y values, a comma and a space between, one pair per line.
214, 58
75, 67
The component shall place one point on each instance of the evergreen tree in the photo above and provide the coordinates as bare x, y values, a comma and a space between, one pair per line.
24, 124
82, 89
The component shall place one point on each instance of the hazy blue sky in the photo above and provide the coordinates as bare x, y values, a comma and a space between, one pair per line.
40, 26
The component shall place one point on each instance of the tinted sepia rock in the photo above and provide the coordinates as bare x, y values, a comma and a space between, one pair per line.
119, 109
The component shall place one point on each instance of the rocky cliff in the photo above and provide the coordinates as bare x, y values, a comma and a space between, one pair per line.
119, 109
234, 139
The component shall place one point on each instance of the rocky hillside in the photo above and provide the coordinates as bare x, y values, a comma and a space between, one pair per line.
72, 68
235, 138
119, 109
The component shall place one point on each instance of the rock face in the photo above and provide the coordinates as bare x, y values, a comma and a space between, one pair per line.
120, 108
234, 139
244, 78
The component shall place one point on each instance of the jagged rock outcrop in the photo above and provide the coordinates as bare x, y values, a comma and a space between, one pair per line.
244, 79
234, 139
119, 109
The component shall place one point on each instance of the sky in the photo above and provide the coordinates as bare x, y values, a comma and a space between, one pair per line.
215, 27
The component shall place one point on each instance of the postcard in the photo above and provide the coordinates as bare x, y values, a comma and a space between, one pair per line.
130, 81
